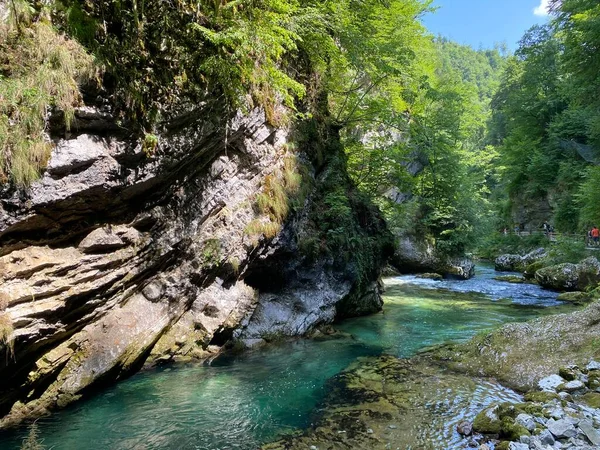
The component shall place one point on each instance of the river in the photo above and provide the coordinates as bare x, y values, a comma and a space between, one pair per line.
241, 401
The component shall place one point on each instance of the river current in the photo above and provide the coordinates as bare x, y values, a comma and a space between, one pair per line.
242, 401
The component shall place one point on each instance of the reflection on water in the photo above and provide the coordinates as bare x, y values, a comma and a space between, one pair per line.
240, 401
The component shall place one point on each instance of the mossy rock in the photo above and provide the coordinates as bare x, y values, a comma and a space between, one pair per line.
532, 268
502, 445
431, 276
567, 373
511, 279
530, 408
562, 277
541, 396
593, 380
574, 297
592, 399
512, 430
488, 421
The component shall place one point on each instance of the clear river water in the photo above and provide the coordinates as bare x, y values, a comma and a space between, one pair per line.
242, 401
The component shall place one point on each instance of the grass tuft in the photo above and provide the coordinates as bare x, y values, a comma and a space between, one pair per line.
6, 334
40, 69
283, 191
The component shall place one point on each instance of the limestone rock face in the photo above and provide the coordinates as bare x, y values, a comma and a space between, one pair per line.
415, 255
115, 258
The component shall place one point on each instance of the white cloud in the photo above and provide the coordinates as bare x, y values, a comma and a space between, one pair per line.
543, 9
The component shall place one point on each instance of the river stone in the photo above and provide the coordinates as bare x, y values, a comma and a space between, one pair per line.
572, 386
550, 383
465, 428
593, 365
590, 432
561, 428
101, 240
568, 373
546, 438
526, 421
487, 421
517, 446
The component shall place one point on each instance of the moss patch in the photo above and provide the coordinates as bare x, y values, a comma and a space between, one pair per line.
592, 399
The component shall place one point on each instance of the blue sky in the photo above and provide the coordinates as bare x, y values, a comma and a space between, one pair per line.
482, 23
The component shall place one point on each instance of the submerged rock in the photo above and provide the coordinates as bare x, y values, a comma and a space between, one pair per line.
519, 355
511, 279
386, 402
574, 297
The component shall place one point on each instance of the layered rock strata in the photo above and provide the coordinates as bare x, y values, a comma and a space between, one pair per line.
124, 255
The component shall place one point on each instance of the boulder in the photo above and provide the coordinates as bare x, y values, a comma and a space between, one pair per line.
534, 256
562, 277
416, 255
570, 277
518, 263
589, 273
508, 263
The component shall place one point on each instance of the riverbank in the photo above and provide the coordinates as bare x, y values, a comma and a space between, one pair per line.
241, 401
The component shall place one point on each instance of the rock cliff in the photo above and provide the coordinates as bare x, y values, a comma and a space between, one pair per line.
125, 254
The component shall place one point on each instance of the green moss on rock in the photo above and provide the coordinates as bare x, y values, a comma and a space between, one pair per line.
592, 399
540, 396
574, 297
488, 421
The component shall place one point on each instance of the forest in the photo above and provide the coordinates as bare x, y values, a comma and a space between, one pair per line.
452, 143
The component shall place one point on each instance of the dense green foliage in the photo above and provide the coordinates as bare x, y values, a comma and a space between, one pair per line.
430, 168
546, 123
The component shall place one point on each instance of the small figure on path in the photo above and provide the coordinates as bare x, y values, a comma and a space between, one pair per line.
595, 235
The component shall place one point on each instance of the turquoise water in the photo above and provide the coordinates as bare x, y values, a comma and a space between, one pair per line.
241, 401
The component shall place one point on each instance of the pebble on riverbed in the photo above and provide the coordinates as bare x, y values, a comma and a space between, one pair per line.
563, 414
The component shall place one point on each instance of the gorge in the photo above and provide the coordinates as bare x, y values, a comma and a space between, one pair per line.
199, 201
